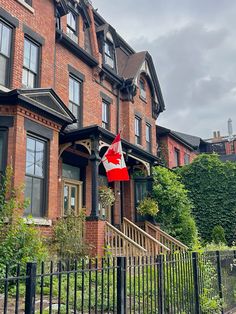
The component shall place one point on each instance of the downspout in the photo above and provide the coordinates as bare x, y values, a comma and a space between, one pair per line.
118, 111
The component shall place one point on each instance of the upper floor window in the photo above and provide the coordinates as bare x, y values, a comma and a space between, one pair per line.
177, 157
148, 137
35, 176
109, 54
142, 89
29, 2
75, 98
137, 128
105, 115
186, 159
5, 52
72, 26
30, 77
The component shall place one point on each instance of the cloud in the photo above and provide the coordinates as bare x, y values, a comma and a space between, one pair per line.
193, 45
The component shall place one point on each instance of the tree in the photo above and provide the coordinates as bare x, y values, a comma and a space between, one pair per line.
174, 206
212, 185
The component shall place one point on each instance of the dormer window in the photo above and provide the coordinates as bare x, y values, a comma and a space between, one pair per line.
142, 89
72, 26
109, 54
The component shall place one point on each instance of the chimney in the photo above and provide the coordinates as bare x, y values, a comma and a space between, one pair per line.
214, 134
218, 134
230, 129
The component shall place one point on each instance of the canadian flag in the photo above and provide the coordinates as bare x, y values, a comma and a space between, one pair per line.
114, 162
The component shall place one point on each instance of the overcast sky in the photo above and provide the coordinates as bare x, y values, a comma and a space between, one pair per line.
193, 45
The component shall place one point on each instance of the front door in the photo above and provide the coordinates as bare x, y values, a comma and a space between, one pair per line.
72, 197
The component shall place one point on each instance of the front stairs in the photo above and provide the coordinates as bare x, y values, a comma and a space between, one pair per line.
147, 240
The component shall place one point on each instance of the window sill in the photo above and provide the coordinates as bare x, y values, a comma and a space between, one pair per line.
4, 89
38, 221
27, 6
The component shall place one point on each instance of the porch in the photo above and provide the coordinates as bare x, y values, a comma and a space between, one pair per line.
113, 230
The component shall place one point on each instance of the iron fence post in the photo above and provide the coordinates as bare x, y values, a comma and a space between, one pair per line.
30, 285
196, 282
121, 285
219, 277
160, 267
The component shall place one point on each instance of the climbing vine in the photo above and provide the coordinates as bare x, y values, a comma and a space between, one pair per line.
212, 185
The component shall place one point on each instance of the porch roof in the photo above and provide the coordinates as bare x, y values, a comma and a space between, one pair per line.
71, 135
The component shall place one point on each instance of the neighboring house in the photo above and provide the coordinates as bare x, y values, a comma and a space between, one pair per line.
177, 149
69, 83
225, 145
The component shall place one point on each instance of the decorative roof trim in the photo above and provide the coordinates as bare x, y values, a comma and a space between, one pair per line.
75, 48
23, 96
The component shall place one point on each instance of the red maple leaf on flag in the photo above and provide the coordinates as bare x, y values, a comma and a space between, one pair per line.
113, 157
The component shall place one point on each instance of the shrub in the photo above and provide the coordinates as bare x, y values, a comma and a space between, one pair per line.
20, 242
174, 206
68, 240
148, 206
218, 235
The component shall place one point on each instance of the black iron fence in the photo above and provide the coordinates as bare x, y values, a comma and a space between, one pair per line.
176, 284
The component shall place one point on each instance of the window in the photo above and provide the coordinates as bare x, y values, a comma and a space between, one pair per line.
137, 130
74, 98
148, 137
29, 2
72, 26
30, 78
5, 49
186, 159
142, 89
35, 176
109, 54
177, 157
105, 115
3, 139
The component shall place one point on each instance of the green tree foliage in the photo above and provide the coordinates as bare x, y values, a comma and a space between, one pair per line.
212, 185
174, 206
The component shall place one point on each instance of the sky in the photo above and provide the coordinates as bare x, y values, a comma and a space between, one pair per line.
193, 46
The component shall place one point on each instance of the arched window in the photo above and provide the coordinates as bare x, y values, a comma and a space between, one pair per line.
142, 87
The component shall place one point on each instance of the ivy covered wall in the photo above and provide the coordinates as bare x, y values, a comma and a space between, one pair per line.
212, 189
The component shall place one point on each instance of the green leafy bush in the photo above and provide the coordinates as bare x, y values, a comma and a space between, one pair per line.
106, 196
148, 206
68, 241
174, 206
218, 235
20, 242
211, 185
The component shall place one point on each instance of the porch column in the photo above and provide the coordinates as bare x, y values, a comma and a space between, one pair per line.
95, 227
95, 160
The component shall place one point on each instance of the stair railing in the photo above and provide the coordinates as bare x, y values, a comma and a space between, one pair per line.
173, 244
145, 240
118, 244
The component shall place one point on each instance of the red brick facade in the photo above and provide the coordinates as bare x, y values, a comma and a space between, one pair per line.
59, 58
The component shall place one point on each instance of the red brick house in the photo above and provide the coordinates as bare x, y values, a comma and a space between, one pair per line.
176, 149
68, 84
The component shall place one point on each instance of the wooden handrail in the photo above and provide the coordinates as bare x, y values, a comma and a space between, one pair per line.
145, 233
120, 245
152, 245
171, 242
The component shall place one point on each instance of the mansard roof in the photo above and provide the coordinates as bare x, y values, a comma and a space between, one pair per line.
43, 101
